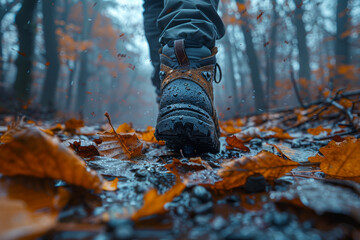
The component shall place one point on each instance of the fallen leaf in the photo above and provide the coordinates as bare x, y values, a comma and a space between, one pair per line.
29, 206
319, 129
234, 173
276, 132
119, 146
320, 197
125, 128
74, 124
84, 150
179, 168
233, 141
34, 153
340, 159
154, 203
229, 126
110, 185
148, 136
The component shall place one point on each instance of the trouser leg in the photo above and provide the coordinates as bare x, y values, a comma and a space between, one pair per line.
152, 9
195, 21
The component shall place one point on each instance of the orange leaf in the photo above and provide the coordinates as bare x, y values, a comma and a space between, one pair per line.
110, 185
235, 172
29, 206
346, 103
229, 127
148, 136
116, 145
74, 124
34, 153
340, 159
125, 128
154, 203
319, 129
233, 141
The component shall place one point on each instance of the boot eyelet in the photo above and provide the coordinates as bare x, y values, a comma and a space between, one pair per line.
162, 75
207, 76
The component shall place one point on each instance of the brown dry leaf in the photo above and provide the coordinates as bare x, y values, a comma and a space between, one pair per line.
74, 124
346, 103
233, 141
29, 206
58, 127
255, 132
340, 159
179, 168
277, 132
84, 150
154, 203
34, 153
121, 146
235, 172
148, 136
319, 129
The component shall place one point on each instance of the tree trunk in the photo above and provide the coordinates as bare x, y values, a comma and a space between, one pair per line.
342, 47
304, 71
4, 9
83, 75
25, 24
51, 55
2, 80
253, 64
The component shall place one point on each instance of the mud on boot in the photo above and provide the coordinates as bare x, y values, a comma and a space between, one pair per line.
187, 114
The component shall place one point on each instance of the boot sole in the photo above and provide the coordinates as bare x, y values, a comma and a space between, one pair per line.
187, 128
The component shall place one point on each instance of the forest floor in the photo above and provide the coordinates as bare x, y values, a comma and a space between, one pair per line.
288, 175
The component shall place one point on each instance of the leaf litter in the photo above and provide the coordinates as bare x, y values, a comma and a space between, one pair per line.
268, 167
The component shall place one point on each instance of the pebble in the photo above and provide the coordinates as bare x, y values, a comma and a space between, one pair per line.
280, 219
218, 223
204, 208
255, 184
201, 193
141, 173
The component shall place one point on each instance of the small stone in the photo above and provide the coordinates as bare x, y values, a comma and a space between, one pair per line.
124, 232
141, 173
255, 184
280, 219
249, 200
255, 142
218, 223
201, 193
202, 219
204, 208
114, 223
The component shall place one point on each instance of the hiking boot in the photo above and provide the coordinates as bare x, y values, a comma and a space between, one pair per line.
187, 119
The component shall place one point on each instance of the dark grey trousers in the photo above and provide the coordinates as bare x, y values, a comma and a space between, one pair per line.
167, 20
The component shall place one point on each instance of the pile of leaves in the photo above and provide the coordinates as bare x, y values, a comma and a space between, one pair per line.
271, 175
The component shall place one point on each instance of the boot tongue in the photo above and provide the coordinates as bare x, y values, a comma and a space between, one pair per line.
192, 52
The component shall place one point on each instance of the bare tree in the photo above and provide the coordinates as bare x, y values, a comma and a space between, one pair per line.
51, 55
253, 63
342, 47
304, 62
25, 24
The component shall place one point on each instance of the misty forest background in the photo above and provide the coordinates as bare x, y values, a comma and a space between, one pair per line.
80, 58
